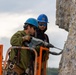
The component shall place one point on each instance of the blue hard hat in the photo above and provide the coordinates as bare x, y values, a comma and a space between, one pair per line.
32, 21
42, 18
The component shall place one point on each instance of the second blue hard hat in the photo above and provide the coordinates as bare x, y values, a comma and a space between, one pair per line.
42, 18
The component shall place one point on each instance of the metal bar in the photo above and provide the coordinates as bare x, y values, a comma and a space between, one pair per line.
27, 48
1, 54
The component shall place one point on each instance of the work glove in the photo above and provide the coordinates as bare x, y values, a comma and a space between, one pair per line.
26, 38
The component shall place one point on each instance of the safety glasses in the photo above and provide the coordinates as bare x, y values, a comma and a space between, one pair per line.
43, 24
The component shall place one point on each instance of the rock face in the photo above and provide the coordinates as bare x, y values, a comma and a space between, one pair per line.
66, 19
63, 13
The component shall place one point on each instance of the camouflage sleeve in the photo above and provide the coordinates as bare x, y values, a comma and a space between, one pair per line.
16, 39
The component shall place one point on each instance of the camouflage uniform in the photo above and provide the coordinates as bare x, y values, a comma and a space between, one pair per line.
25, 55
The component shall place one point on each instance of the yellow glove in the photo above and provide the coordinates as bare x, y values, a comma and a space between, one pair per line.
27, 38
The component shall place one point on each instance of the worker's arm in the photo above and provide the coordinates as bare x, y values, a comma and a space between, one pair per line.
18, 38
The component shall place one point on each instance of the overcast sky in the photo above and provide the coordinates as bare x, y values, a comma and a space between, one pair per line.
13, 14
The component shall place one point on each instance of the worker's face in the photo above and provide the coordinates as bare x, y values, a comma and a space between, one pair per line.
32, 30
42, 25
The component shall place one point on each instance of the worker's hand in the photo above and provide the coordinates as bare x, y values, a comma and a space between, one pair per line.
27, 38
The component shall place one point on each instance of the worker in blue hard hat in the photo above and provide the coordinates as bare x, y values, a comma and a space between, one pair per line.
42, 27
40, 34
21, 59
42, 24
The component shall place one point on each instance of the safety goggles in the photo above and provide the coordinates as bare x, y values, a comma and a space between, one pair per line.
43, 24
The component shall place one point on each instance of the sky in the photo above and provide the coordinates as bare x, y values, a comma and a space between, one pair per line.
13, 14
